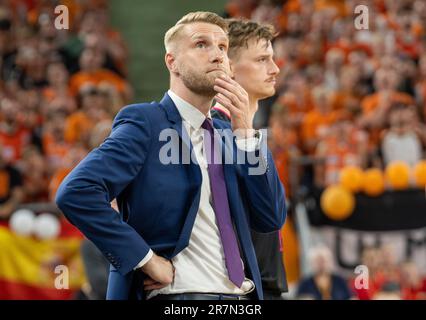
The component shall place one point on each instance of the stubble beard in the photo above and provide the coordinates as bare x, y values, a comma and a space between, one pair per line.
198, 82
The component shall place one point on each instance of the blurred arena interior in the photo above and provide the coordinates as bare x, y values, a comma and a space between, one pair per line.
346, 128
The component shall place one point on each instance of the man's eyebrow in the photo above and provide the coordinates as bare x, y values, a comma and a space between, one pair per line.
265, 55
205, 37
224, 39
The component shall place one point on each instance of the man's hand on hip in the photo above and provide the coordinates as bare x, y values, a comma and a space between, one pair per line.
160, 272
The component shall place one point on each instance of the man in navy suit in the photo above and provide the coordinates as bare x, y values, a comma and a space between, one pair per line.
183, 227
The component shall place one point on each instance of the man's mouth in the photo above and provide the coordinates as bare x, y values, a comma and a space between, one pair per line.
216, 69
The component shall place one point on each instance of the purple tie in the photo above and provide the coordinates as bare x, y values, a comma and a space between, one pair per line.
221, 208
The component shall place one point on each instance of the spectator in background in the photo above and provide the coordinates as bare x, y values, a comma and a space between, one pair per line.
317, 122
30, 65
334, 60
11, 191
100, 131
297, 99
400, 141
323, 284
93, 109
376, 106
14, 137
96, 33
348, 97
35, 176
54, 145
283, 142
343, 145
92, 72
58, 86
413, 283
371, 258
73, 157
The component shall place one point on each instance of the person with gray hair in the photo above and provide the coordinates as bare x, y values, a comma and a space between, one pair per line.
323, 284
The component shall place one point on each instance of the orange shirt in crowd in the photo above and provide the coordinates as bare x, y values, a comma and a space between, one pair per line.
96, 77
371, 102
49, 94
14, 144
77, 126
297, 109
338, 5
342, 100
347, 47
55, 151
281, 159
56, 180
315, 121
296, 105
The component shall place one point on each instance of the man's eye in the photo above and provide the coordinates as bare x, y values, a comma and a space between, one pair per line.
262, 60
223, 48
200, 45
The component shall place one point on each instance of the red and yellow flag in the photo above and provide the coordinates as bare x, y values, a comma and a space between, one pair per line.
40, 269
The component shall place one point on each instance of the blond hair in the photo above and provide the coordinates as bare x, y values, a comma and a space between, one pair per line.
200, 16
241, 31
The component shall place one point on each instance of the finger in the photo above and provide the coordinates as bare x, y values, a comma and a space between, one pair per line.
235, 84
228, 94
228, 87
237, 96
225, 102
155, 286
149, 281
232, 86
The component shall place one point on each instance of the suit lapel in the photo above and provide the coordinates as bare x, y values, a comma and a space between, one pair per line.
194, 172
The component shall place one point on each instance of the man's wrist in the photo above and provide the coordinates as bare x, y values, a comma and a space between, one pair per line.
245, 133
145, 260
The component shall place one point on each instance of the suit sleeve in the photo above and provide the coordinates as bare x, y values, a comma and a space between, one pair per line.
263, 189
85, 195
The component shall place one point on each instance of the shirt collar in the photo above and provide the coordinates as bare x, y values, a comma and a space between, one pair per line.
187, 111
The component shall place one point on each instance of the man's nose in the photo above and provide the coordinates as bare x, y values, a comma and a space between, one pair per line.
274, 70
217, 56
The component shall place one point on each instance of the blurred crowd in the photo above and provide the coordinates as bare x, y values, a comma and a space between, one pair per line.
59, 91
347, 97
381, 278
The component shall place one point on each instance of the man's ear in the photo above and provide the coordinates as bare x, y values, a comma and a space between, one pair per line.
170, 61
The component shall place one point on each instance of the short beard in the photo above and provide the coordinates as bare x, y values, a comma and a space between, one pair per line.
198, 83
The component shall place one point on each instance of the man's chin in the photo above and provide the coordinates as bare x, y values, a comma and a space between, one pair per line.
267, 93
206, 90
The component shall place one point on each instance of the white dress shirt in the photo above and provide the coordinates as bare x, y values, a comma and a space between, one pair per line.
200, 267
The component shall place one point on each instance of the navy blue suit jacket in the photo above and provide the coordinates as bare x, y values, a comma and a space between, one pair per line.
158, 203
